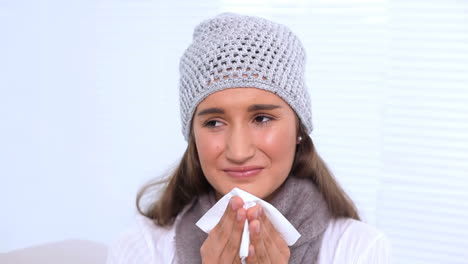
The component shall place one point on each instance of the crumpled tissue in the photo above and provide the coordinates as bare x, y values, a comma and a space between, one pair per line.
208, 221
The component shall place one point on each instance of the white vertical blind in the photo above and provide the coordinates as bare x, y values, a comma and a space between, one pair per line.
423, 205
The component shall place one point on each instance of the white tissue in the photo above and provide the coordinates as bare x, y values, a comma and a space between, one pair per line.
282, 225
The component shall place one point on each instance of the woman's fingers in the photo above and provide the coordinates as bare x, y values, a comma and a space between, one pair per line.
267, 245
231, 248
258, 253
229, 217
223, 242
274, 238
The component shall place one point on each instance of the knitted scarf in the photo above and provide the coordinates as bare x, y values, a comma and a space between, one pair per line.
297, 199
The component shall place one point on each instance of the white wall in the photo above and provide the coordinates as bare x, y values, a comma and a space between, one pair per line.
89, 111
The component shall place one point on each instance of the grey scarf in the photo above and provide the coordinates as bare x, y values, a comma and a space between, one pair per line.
297, 199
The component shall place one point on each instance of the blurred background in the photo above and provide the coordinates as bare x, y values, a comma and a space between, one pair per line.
89, 111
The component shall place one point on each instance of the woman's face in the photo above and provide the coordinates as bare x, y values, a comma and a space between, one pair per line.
246, 138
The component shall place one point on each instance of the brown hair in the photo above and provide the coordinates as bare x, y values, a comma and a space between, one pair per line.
188, 181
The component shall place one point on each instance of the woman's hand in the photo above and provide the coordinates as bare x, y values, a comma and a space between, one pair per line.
266, 244
223, 242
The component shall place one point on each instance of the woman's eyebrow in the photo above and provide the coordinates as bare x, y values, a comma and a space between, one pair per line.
252, 108
213, 110
259, 107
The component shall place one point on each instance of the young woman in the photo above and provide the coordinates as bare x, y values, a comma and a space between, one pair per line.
247, 118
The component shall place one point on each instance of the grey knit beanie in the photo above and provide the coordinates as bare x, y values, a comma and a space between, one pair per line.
232, 51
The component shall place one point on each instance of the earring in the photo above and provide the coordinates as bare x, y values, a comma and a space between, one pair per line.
299, 139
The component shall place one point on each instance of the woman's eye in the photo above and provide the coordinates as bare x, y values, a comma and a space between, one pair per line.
213, 123
262, 119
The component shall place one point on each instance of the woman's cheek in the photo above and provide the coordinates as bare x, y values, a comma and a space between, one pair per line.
270, 138
210, 145
276, 138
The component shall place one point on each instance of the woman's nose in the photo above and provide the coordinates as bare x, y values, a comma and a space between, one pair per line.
240, 147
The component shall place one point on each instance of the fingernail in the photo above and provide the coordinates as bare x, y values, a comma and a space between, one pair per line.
258, 212
240, 215
233, 204
251, 251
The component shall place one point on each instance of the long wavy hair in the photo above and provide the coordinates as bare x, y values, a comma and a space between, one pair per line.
188, 181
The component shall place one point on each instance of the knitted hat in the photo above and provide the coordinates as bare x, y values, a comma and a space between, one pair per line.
231, 51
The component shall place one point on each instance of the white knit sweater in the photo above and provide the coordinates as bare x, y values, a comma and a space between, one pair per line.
344, 241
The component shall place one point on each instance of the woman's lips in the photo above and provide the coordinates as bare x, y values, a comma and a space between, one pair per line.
243, 172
